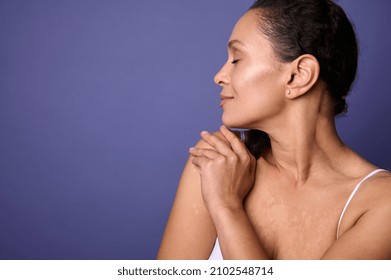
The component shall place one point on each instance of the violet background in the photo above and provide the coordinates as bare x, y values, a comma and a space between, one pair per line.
100, 101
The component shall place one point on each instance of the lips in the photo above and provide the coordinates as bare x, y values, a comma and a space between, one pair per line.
224, 99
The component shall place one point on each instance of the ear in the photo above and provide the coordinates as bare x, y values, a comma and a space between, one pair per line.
304, 73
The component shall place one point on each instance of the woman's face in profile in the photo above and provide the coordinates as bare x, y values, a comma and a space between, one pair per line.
252, 78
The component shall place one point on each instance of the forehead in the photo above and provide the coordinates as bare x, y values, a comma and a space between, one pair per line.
247, 24
248, 32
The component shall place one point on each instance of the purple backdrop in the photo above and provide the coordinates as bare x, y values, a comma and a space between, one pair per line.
100, 101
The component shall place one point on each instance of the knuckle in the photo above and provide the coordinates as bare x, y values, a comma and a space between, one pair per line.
244, 156
220, 159
232, 158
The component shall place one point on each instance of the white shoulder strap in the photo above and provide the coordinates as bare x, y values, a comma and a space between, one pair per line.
353, 193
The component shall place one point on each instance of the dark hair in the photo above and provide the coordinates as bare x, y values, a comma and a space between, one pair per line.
317, 27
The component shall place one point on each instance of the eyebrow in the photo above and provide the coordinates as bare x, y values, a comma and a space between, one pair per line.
233, 42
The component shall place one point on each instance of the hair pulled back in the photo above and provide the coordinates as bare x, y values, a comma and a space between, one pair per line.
317, 27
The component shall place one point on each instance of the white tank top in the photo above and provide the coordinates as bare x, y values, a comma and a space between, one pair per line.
216, 253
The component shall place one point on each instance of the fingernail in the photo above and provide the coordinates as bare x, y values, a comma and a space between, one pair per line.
204, 132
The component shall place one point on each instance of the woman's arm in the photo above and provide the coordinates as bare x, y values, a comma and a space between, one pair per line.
227, 172
189, 233
191, 229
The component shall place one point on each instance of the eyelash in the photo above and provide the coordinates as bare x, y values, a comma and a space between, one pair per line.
235, 61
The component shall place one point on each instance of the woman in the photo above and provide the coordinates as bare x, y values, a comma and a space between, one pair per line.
293, 190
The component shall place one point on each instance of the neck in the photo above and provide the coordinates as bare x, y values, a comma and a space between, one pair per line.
304, 142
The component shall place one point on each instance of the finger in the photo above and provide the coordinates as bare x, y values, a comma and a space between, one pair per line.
236, 144
201, 161
241, 134
221, 146
198, 161
201, 152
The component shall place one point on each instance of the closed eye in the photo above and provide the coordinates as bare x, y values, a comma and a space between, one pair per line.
235, 61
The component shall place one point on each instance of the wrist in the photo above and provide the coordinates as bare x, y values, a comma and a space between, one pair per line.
226, 212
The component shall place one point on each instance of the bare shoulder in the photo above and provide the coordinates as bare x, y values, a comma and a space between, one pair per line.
374, 192
378, 189
374, 198
369, 235
189, 232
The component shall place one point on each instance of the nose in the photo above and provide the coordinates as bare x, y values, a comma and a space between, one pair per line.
222, 77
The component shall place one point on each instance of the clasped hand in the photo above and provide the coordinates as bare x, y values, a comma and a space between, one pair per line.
227, 170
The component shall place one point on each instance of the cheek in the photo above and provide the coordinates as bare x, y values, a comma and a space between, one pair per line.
259, 95
256, 83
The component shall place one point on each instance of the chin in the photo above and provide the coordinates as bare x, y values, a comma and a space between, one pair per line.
234, 123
